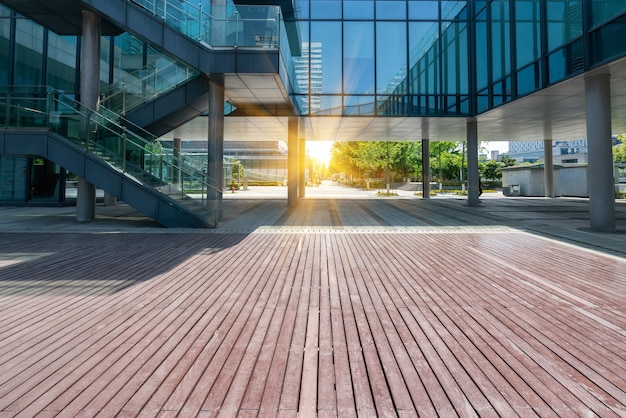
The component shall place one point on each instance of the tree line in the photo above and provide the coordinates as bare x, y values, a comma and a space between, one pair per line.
365, 161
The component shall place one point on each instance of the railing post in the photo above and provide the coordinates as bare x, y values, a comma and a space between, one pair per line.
164, 10
123, 98
237, 28
202, 190
161, 170
124, 150
200, 21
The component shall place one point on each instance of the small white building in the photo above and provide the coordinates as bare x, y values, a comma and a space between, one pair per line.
530, 179
569, 180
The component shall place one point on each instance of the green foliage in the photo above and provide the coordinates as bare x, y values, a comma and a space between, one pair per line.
155, 147
492, 170
507, 161
619, 151
399, 160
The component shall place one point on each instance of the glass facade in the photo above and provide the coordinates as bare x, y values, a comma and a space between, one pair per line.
379, 57
449, 58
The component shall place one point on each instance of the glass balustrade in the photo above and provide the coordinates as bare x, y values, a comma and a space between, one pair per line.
138, 156
219, 25
145, 84
229, 26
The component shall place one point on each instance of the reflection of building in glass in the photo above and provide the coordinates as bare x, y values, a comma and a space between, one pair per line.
308, 70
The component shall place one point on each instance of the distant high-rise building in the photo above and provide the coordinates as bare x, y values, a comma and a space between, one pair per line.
308, 69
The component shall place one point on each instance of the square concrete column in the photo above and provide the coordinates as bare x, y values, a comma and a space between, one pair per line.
215, 149
473, 176
601, 181
425, 169
548, 169
89, 95
293, 156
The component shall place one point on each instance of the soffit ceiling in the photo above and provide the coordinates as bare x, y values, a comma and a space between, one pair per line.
556, 113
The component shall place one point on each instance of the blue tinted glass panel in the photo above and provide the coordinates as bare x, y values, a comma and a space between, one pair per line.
527, 31
392, 105
301, 8
482, 74
608, 41
455, 59
358, 9
300, 68
62, 62
302, 103
422, 37
358, 105
526, 80
5, 26
482, 101
391, 66
453, 9
326, 105
604, 10
28, 53
326, 9
325, 36
358, 58
557, 63
564, 21
500, 39
391, 9
423, 10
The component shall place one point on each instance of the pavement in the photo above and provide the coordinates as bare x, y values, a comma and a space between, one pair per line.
265, 208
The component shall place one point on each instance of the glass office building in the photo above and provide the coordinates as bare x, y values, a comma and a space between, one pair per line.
427, 65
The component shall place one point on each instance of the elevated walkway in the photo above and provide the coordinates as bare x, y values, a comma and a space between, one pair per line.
192, 40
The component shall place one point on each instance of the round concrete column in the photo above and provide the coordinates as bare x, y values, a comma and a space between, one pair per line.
89, 94
215, 147
601, 182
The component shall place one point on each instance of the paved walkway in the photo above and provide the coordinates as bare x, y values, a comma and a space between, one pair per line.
353, 307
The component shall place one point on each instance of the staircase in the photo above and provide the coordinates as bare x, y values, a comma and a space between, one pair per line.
94, 146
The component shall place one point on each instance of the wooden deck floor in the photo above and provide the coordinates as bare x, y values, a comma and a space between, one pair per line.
342, 322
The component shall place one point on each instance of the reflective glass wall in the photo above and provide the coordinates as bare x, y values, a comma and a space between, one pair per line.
446, 58
525, 45
383, 57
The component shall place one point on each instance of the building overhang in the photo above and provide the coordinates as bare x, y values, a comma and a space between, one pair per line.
63, 17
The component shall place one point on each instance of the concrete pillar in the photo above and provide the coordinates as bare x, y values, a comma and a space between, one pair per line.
301, 166
548, 169
425, 168
600, 172
292, 161
215, 148
89, 95
473, 177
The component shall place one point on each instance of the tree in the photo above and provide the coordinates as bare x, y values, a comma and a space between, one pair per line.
507, 161
372, 156
441, 150
492, 170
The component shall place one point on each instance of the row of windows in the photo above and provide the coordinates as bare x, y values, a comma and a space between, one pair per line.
385, 68
379, 9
